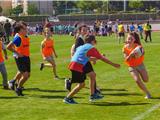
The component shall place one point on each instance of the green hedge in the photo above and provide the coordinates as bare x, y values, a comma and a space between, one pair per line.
34, 18
122, 16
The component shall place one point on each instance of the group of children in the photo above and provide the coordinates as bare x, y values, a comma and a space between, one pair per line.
146, 29
83, 52
86, 51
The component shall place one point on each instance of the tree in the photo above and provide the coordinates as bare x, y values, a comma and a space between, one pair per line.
32, 9
90, 5
136, 4
1, 9
61, 6
17, 10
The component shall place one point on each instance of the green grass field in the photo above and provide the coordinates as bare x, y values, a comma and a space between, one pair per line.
123, 100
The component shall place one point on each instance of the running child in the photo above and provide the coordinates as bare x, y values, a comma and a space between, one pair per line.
20, 46
47, 50
135, 62
76, 66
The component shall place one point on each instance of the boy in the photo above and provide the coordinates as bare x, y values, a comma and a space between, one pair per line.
20, 47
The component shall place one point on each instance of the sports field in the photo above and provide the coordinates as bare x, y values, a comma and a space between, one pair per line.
122, 100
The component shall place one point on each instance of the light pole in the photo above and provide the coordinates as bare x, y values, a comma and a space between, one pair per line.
124, 5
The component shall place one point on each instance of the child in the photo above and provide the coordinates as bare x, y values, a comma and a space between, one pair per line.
140, 30
121, 32
135, 63
20, 46
47, 50
79, 60
2, 65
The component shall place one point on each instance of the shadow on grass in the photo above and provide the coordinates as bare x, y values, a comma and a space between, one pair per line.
54, 97
9, 97
155, 98
40, 90
114, 90
122, 94
117, 104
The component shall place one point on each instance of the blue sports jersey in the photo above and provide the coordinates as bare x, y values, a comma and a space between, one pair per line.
16, 40
80, 54
131, 27
140, 28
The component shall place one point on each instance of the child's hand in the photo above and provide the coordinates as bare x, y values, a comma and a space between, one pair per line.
117, 65
94, 62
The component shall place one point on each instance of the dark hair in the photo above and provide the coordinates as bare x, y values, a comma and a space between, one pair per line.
18, 27
23, 23
136, 37
81, 26
90, 38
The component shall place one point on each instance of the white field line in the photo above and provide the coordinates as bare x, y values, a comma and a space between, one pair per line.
143, 115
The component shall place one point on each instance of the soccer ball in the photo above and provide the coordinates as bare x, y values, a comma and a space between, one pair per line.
138, 51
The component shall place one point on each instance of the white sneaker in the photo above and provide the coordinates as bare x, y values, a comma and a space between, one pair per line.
148, 96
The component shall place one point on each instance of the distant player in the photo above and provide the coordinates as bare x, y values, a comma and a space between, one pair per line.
135, 62
121, 32
147, 31
48, 51
140, 30
132, 27
76, 66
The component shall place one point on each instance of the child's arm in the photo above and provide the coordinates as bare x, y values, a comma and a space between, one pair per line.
93, 59
104, 59
4, 51
54, 52
42, 46
127, 57
11, 48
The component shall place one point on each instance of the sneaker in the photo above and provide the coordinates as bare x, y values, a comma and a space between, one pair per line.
148, 96
11, 84
16, 85
42, 66
19, 92
68, 84
69, 101
56, 77
95, 97
5, 87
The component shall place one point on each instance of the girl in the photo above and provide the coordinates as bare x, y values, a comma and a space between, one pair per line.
47, 50
135, 63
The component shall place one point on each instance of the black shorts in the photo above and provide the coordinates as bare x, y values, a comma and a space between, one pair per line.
78, 77
88, 68
97, 29
121, 34
23, 64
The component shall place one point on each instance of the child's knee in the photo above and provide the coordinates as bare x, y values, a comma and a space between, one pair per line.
146, 80
53, 65
82, 85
